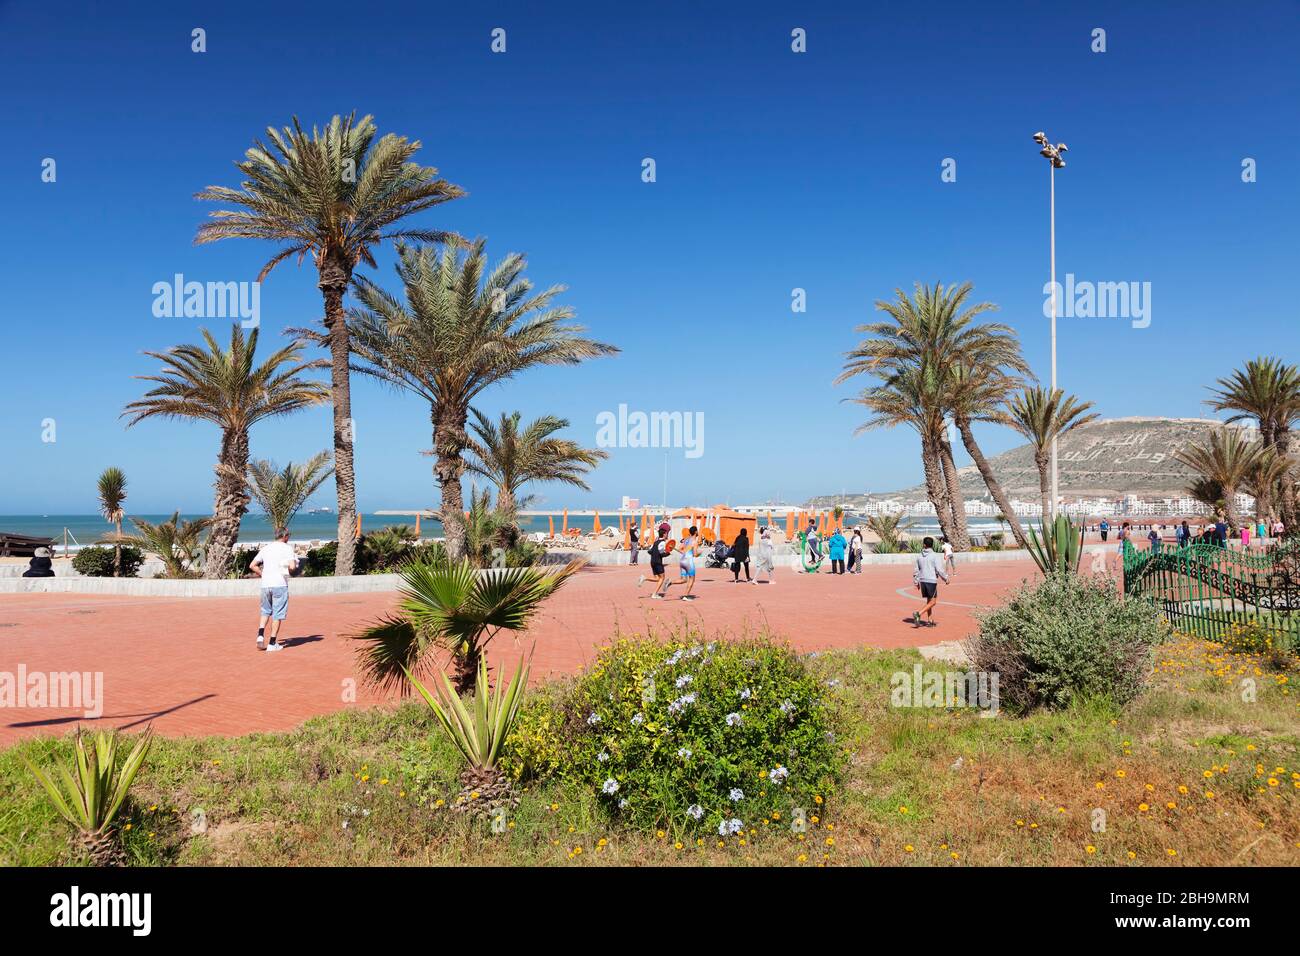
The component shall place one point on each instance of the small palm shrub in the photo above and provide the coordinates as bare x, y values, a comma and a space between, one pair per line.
1064, 638
713, 736
90, 794
97, 562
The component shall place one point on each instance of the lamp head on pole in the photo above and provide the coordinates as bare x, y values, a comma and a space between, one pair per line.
1050, 152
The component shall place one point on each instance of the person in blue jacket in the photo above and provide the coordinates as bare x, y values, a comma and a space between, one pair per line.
837, 545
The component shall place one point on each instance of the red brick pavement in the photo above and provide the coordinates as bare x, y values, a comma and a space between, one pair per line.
189, 665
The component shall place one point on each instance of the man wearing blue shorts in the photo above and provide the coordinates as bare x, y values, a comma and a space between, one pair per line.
274, 563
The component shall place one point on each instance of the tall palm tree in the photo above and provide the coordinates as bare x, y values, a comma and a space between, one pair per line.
511, 456
979, 394
1227, 459
907, 398
223, 386
112, 493
335, 194
461, 328
282, 491
1041, 416
1269, 480
455, 608
934, 328
1268, 391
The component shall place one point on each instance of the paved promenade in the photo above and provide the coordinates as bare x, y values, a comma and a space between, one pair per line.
189, 665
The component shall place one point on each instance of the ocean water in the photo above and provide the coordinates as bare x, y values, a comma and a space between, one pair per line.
87, 529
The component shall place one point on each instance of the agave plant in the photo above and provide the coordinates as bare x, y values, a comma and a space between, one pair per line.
455, 607
1060, 548
479, 732
90, 799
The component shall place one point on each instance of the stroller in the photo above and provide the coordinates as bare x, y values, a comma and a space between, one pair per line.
718, 556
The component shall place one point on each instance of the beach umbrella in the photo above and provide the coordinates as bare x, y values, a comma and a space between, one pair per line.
789, 525
565, 528
551, 519
595, 524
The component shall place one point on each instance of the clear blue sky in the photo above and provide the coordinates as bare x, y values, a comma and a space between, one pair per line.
775, 171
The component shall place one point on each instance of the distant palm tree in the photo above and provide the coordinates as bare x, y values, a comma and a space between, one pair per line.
177, 543
934, 330
112, 493
907, 398
462, 328
1226, 460
511, 456
887, 529
283, 491
1270, 479
1269, 392
456, 608
335, 194
222, 386
1041, 416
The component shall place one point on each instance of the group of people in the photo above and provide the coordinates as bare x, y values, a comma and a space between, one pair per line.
1217, 534
688, 552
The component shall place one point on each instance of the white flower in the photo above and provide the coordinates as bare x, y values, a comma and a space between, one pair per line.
733, 720
695, 811
835, 682
734, 826
638, 719
622, 804
684, 680
746, 694
602, 756
681, 703
787, 706
610, 786
674, 658
594, 718
695, 651
684, 753
736, 794
778, 775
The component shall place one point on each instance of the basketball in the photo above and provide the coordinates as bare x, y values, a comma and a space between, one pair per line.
670, 545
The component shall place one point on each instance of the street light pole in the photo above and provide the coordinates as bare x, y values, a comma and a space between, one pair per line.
1053, 154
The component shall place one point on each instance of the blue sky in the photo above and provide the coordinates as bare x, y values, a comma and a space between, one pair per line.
775, 170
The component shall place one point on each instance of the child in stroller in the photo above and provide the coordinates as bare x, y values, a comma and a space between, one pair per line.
719, 556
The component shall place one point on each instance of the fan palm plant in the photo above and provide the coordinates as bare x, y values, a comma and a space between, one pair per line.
112, 494
1226, 459
283, 491
335, 194
224, 386
511, 456
462, 328
456, 608
479, 732
1042, 416
177, 543
1268, 391
91, 794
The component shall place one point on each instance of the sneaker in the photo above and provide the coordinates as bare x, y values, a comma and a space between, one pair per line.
657, 596
931, 623
261, 642
640, 581
274, 647
688, 597
916, 618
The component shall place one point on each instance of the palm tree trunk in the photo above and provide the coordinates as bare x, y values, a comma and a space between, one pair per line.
334, 279
1230, 509
117, 550
449, 441
229, 505
934, 484
959, 539
991, 480
1044, 485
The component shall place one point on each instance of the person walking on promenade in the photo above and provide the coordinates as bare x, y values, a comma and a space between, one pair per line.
929, 569
837, 546
634, 543
740, 555
855, 552
274, 563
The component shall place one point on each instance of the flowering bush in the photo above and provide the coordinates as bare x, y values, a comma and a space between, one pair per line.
692, 735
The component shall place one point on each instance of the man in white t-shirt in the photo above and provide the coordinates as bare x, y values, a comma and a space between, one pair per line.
274, 563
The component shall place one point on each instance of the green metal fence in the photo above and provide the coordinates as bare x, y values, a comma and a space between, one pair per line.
1204, 590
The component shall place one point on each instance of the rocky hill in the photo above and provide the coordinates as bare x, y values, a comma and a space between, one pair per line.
1107, 458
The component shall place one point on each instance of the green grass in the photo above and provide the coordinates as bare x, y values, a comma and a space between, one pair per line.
363, 787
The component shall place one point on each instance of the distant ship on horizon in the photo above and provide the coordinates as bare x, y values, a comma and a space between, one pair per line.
322, 510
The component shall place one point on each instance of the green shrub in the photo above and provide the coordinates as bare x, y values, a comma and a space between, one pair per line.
97, 562
687, 736
1066, 638
996, 541
319, 562
240, 560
